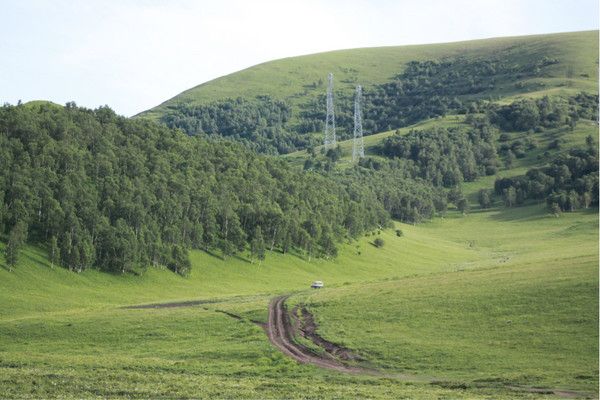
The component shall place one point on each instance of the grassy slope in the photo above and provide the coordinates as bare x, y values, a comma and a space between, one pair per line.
290, 78
496, 297
63, 333
530, 319
464, 299
460, 298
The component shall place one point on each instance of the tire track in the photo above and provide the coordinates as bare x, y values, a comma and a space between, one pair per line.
281, 333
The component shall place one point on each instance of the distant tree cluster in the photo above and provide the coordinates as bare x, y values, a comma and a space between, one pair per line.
405, 198
425, 89
261, 123
113, 193
446, 157
547, 112
568, 183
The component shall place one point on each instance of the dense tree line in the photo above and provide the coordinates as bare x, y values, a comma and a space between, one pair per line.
403, 196
568, 183
261, 123
425, 89
395, 183
115, 193
546, 112
446, 157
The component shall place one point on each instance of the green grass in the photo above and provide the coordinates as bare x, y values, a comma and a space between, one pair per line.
291, 78
480, 301
42, 289
530, 319
63, 334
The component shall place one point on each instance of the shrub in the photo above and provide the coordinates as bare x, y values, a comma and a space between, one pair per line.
379, 242
399, 233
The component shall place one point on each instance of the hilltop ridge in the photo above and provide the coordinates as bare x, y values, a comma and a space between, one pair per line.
278, 107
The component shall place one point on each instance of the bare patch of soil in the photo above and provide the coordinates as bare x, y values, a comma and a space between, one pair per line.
172, 305
305, 325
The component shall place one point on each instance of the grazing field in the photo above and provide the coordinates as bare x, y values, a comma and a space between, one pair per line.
480, 302
529, 319
495, 303
498, 303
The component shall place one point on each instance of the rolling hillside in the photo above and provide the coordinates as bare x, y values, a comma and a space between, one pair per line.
278, 107
408, 307
292, 78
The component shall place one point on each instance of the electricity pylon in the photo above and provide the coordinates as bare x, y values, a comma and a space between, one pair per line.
330, 140
358, 148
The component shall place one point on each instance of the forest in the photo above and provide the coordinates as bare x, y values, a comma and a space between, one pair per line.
425, 89
262, 124
543, 113
104, 191
570, 182
446, 157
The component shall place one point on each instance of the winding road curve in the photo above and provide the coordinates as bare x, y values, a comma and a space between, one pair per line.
281, 334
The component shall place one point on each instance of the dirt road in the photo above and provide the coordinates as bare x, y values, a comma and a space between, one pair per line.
281, 332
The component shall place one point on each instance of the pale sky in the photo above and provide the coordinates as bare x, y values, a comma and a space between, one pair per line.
133, 55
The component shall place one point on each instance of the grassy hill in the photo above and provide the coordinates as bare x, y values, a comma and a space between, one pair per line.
513, 322
279, 107
297, 78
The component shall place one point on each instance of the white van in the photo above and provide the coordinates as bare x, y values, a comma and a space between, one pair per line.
317, 285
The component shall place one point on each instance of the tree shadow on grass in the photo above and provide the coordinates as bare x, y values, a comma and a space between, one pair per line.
36, 257
213, 254
241, 258
526, 212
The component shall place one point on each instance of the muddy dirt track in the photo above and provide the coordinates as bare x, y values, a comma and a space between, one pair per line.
281, 333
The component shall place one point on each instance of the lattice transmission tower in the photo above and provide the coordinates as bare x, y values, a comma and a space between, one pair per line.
330, 140
358, 148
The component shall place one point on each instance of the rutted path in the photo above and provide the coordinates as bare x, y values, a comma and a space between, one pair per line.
281, 333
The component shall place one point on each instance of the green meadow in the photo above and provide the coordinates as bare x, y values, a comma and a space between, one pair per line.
526, 316
486, 305
506, 297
